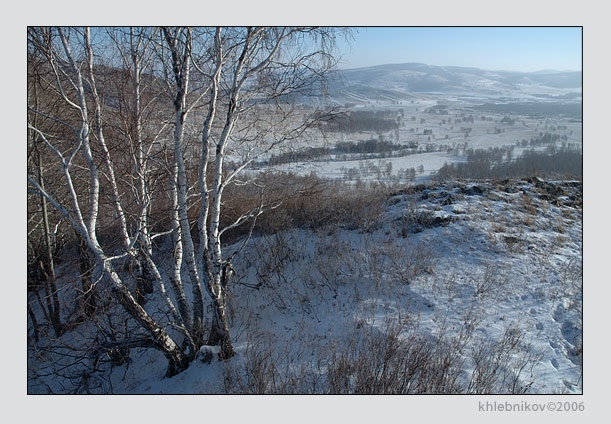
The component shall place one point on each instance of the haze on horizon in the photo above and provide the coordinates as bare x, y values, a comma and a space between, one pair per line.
521, 49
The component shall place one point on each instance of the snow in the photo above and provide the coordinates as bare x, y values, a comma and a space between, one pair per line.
472, 259
448, 141
331, 288
500, 258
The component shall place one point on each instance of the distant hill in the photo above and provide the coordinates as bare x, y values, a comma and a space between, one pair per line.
403, 81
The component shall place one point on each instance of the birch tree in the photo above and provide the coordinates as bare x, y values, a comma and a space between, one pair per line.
257, 74
223, 97
74, 80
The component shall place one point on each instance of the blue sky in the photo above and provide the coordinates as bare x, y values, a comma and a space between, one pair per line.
492, 48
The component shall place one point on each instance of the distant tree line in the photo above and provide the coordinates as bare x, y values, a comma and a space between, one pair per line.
543, 139
362, 120
359, 148
367, 146
535, 109
492, 163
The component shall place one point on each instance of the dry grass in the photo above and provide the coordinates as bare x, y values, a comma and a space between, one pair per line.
394, 358
306, 202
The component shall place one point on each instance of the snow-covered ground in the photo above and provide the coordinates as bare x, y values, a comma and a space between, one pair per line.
491, 271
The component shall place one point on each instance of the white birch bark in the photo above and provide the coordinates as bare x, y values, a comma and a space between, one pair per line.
99, 131
84, 143
181, 66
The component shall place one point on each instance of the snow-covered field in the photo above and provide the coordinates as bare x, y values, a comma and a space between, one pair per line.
445, 135
491, 273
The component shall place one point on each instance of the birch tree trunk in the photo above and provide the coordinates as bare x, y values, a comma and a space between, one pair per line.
248, 62
134, 48
179, 42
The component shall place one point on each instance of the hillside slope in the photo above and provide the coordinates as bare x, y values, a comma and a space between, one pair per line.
461, 287
403, 82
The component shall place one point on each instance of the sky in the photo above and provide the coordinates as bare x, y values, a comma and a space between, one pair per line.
526, 49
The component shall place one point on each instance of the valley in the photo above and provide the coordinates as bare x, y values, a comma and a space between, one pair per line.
464, 109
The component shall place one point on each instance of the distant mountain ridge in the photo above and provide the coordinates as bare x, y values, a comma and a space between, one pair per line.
402, 81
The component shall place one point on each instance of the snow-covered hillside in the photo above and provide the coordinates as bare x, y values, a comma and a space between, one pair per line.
403, 81
478, 283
